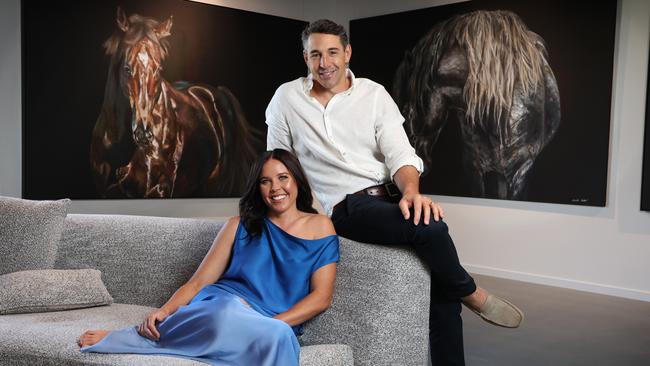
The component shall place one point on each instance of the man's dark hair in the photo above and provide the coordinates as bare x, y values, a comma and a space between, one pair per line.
325, 26
252, 208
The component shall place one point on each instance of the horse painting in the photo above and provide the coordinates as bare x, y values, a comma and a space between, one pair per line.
487, 71
157, 139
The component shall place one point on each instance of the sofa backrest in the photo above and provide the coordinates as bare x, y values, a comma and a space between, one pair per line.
143, 259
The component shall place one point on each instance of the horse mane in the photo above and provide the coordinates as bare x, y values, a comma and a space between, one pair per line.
139, 27
501, 53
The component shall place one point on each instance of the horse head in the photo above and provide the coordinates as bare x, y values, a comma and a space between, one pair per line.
138, 50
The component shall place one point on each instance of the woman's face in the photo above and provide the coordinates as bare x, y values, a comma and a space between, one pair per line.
278, 187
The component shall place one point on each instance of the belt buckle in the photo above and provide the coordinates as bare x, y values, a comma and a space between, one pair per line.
392, 190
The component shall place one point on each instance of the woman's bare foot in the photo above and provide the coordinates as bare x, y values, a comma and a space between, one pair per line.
477, 299
91, 337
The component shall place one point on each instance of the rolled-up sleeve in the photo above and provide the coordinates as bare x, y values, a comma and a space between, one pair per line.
278, 134
391, 137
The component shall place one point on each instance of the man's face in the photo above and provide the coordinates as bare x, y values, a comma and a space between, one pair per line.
326, 59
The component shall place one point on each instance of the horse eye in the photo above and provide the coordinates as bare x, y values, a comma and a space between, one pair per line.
127, 69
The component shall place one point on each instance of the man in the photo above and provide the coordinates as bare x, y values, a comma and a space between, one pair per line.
348, 134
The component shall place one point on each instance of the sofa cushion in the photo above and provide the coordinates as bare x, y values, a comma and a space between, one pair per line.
51, 339
29, 233
51, 290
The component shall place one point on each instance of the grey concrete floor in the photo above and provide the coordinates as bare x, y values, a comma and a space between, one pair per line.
561, 327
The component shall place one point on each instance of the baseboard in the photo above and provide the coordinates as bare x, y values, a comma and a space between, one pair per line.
560, 282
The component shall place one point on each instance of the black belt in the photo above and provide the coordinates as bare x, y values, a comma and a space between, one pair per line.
387, 190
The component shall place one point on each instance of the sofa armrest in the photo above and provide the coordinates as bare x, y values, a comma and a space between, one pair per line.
326, 355
380, 306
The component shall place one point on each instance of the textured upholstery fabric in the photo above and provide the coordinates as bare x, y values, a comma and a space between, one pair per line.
380, 306
326, 355
51, 339
29, 233
143, 260
51, 290
379, 309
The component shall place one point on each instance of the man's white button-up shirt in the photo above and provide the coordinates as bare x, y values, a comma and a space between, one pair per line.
356, 141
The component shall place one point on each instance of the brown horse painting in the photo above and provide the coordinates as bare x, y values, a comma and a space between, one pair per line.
157, 139
491, 74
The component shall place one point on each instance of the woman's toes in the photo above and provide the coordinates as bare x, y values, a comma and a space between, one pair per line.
98, 335
91, 337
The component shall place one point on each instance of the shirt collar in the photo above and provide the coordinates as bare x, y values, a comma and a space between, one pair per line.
308, 82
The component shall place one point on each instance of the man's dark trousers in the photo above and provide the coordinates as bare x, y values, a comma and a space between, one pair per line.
375, 220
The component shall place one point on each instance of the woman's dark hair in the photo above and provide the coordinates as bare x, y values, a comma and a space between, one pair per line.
252, 208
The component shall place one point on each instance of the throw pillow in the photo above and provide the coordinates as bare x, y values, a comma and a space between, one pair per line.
30, 233
51, 290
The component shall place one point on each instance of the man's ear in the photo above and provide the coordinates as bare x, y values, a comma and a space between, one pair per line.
305, 56
348, 53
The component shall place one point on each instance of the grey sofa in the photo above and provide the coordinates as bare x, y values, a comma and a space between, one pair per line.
378, 317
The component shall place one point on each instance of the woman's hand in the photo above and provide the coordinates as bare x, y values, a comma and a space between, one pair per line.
148, 328
212, 267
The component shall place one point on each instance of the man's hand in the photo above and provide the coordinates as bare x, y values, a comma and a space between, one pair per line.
407, 179
422, 205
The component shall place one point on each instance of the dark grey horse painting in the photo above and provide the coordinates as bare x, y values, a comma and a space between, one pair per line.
491, 73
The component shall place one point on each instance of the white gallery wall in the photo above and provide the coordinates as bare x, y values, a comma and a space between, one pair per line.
599, 249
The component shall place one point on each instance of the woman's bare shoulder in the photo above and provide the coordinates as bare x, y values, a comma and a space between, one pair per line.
320, 225
233, 221
230, 227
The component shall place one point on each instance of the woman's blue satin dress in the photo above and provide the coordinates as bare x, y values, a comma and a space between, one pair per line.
271, 272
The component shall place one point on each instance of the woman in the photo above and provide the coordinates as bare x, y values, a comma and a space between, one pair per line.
268, 271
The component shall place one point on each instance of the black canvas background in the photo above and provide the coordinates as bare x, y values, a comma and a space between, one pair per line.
572, 169
64, 73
